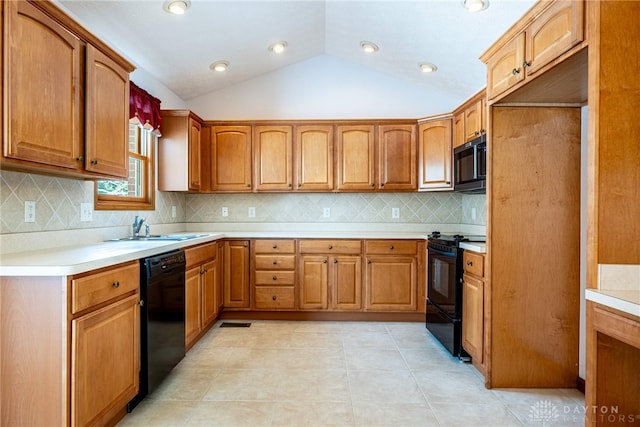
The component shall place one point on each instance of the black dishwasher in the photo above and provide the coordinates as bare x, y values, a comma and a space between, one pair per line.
162, 319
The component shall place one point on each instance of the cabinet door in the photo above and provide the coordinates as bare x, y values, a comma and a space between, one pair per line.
313, 281
346, 283
435, 155
105, 359
391, 283
504, 68
195, 131
236, 274
273, 158
106, 115
42, 121
314, 158
209, 285
459, 135
397, 152
355, 149
193, 322
473, 317
473, 121
553, 32
231, 158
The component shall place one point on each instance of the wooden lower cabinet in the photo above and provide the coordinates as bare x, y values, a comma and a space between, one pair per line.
473, 306
274, 276
70, 347
202, 290
330, 282
105, 361
236, 274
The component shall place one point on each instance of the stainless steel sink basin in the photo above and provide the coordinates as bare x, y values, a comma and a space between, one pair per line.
176, 237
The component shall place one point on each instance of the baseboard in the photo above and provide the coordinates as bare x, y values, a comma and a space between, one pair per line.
322, 315
580, 384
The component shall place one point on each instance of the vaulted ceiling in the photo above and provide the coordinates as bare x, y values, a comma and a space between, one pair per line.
178, 50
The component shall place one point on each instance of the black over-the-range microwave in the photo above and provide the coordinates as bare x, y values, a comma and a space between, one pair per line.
470, 166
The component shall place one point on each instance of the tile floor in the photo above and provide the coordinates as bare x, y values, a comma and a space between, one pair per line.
339, 374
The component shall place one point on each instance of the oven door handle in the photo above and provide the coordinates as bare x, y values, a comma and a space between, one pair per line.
447, 254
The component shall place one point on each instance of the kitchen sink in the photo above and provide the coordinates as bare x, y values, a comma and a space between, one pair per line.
176, 237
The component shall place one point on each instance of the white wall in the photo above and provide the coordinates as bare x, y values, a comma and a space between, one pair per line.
144, 80
323, 87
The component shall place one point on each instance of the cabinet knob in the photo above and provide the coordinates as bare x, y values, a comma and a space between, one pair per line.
141, 302
275, 277
289, 185
79, 158
515, 71
372, 184
368, 261
447, 182
382, 185
275, 262
116, 284
335, 261
274, 297
94, 162
275, 247
330, 246
469, 263
391, 247
324, 261
526, 64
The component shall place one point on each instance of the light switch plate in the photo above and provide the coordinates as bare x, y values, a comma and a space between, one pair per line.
86, 212
29, 211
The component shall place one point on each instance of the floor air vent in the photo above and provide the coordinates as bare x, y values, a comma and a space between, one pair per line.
235, 325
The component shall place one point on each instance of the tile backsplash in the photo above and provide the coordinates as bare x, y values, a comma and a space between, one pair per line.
58, 206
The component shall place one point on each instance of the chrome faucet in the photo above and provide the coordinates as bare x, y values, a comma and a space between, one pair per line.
137, 224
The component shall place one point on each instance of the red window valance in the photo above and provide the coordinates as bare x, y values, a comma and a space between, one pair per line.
144, 107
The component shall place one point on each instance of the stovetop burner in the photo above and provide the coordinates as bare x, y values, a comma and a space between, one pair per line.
454, 239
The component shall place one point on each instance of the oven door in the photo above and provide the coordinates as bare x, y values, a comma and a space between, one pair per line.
441, 285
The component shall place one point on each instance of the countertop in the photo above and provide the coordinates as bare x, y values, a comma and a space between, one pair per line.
627, 301
474, 246
65, 261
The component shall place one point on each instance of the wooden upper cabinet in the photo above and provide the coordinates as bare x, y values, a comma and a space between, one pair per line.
273, 147
355, 152
106, 115
548, 31
314, 158
551, 34
459, 136
179, 151
435, 155
504, 68
473, 120
42, 68
231, 158
397, 152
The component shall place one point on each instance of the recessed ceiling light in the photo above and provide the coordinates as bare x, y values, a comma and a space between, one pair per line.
177, 7
427, 67
475, 5
278, 47
368, 47
219, 66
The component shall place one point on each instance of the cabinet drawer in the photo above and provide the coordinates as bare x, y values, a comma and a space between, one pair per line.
391, 247
473, 263
198, 254
274, 278
96, 288
275, 246
330, 246
275, 298
275, 262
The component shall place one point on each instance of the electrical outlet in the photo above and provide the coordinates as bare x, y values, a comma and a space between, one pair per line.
86, 212
225, 211
29, 211
251, 212
326, 212
395, 213
473, 213
174, 212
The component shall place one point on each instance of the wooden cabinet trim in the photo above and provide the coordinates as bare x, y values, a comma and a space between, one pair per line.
99, 287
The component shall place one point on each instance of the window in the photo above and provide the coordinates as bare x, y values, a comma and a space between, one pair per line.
138, 191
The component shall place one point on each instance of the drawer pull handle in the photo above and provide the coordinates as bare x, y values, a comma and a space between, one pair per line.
141, 302
274, 297
391, 248
330, 246
469, 263
116, 284
275, 277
